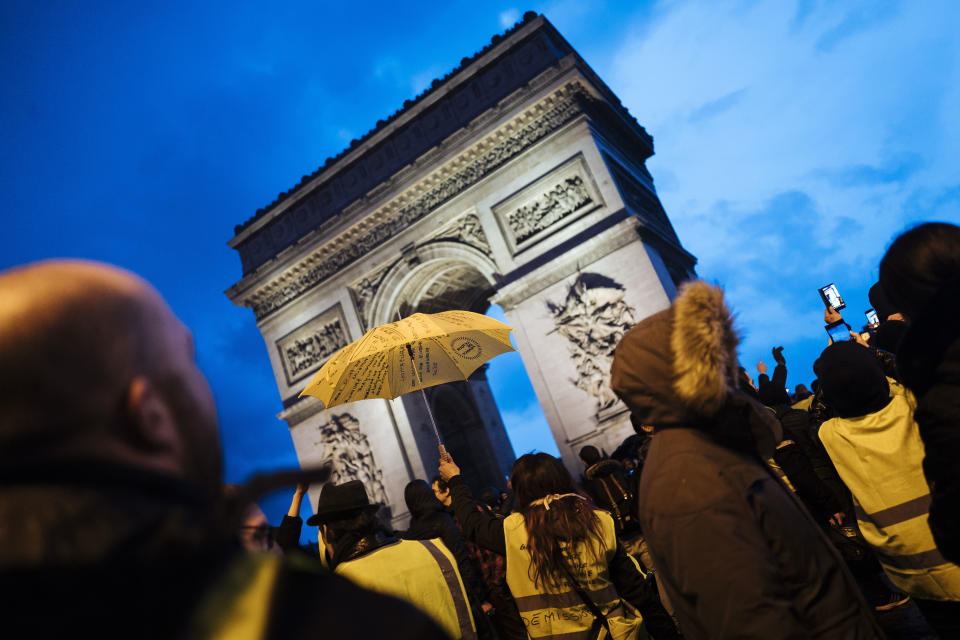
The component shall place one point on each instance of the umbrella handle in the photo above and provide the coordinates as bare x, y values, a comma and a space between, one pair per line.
413, 368
444, 456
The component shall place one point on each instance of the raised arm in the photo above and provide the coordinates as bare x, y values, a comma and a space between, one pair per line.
478, 525
288, 534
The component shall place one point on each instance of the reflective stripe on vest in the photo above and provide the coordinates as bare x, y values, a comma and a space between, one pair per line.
898, 513
562, 613
879, 457
453, 583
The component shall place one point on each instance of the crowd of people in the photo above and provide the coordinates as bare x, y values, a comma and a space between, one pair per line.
737, 510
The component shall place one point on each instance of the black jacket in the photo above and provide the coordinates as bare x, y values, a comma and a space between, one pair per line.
611, 488
809, 468
929, 365
115, 551
772, 392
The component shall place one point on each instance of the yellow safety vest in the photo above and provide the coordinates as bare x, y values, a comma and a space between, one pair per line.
804, 404
422, 572
561, 612
878, 457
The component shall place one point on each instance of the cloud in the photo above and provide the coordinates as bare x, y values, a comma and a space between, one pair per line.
857, 21
509, 18
896, 170
846, 135
716, 107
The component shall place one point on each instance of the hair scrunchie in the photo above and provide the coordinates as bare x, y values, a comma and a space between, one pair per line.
546, 500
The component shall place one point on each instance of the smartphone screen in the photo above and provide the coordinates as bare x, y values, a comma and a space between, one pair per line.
872, 319
831, 297
839, 331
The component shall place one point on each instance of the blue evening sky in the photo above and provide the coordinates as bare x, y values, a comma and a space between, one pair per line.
794, 140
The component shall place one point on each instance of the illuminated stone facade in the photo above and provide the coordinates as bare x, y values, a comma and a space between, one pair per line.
519, 180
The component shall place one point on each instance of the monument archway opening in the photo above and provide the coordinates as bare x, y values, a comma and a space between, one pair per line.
466, 413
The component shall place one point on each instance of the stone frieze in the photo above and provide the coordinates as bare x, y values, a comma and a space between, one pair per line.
548, 204
551, 119
305, 349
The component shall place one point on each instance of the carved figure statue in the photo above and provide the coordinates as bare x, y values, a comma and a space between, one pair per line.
470, 231
593, 318
347, 452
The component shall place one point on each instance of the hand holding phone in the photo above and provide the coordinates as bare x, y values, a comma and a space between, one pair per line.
839, 331
831, 297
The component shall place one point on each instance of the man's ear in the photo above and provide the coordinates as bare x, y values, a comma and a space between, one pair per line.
151, 419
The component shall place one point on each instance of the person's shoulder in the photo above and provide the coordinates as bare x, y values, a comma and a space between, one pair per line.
318, 603
513, 521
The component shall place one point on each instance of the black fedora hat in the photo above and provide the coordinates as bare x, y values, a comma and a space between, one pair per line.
340, 501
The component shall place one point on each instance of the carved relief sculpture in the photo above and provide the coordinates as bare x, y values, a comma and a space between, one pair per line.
347, 453
468, 230
364, 291
557, 203
547, 204
593, 318
304, 350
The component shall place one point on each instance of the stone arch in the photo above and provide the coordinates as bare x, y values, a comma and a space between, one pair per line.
437, 276
408, 281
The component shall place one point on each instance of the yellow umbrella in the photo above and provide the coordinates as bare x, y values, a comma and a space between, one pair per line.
416, 352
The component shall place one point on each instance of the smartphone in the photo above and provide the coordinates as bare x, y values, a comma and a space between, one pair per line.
872, 319
839, 331
831, 297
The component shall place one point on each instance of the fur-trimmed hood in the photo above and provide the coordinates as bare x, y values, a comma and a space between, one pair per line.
679, 366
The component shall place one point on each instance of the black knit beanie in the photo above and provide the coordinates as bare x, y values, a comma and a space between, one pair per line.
880, 303
851, 380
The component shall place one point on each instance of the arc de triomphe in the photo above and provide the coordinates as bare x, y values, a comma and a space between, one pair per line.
518, 179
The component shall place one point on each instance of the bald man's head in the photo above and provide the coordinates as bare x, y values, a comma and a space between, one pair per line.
93, 363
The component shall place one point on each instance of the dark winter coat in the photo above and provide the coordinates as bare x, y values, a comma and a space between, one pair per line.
929, 364
108, 551
612, 490
736, 553
798, 426
772, 392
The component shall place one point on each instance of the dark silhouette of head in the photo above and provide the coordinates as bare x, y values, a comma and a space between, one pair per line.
879, 302
590, 455
920, 264
491, 497
95, 367
420, 498
851, 380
